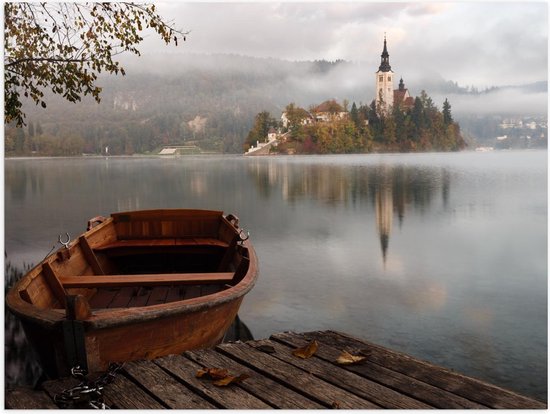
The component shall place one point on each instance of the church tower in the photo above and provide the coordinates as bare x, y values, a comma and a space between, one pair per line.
384, 81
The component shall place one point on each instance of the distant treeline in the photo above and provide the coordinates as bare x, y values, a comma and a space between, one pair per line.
210, 101
364, 128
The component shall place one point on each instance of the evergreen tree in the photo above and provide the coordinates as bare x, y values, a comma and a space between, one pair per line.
262, 122
354, 115
447, 117
417, 117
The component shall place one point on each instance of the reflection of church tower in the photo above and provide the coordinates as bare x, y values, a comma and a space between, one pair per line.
384, 81
384, 216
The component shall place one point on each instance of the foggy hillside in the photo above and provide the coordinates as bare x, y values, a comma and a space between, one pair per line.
223, 93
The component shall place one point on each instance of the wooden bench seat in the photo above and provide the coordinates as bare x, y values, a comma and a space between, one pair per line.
200, 242
145, 280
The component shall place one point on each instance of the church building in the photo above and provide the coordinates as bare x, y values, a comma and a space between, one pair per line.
386, 96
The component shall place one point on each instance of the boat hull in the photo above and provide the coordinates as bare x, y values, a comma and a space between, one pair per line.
133, 341
113, 335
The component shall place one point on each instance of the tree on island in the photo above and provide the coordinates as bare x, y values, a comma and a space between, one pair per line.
447, 118
262, 123
421, 127
64, 46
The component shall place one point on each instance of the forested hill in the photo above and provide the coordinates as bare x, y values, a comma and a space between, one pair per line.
208, 100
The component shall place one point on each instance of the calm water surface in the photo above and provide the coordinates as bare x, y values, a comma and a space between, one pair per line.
443, 256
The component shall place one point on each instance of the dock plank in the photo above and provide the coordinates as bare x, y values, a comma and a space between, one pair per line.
159, 383
487, 394
54, 387
278, 379
337, 375
124, 394
299, 380
272, 392
223, 397
26, 398
400, 383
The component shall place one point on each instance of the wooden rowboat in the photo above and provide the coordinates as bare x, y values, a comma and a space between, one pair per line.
138, 285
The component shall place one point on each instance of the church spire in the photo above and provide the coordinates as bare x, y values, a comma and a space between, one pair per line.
385, 61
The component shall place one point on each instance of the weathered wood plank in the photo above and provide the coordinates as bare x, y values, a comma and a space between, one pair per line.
90, 256
211, 289
292, 377
121, 393
229, 253
26, 398
122, 298
193, 291
54, 387
144, 280
397, 381
158, 295
280, 380
175, 293
168, 243
141, 297
103, 297
124, 394
272, 392
337, 375
470, 388
54, 282
223, 397
164, 387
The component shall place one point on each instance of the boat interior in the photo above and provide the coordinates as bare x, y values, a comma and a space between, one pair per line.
142, 259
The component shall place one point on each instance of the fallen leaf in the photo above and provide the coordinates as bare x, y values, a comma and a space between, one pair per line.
335, 405
306, 351
212, 373
345, 358
224, 382
266, 348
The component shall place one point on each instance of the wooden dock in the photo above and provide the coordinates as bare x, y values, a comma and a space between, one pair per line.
279, 379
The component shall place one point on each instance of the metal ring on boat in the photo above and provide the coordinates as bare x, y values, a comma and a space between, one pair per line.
247, 236
66, 244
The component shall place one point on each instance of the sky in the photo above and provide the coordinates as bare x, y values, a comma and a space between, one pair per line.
473, 43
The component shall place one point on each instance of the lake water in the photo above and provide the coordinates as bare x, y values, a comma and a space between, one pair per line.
442, 256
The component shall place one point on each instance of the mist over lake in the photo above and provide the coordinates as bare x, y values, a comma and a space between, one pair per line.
442, 256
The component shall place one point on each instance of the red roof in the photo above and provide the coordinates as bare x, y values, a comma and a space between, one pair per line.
399, 98
329, 106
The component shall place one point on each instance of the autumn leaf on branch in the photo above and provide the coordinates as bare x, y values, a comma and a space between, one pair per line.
63, 47
307, 351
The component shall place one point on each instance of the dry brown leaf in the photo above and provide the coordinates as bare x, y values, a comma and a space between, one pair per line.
306, 351
212, 373
224, 382
345, 358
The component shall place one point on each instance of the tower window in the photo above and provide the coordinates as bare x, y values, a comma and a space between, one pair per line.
389, 78
381, 78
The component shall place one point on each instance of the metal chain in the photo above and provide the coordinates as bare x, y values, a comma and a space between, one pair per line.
87, 394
